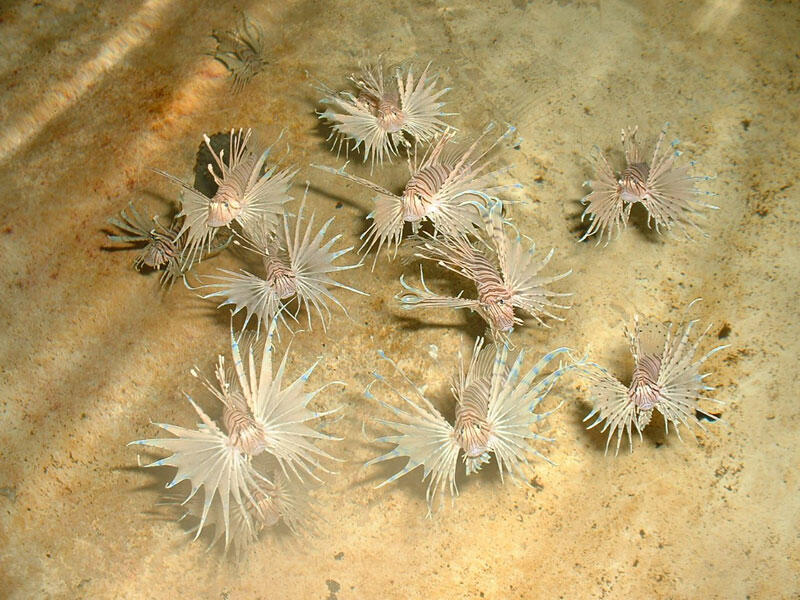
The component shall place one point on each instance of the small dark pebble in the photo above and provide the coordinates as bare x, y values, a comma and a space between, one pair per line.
745, 124
339, 205
338, 556
333, 587
724, 332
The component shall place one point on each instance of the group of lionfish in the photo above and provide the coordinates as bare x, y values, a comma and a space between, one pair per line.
252, 464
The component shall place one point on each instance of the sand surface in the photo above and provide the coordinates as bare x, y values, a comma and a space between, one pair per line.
93, 95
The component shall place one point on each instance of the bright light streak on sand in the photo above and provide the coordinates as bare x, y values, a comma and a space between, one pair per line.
63, 95
716, 15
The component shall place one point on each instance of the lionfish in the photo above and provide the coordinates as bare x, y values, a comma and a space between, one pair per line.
242, 52
161, 250
297, 267
493, 415
261, 414
445, 190
244, 195
384, 115
666, 377
505, 274
666, 190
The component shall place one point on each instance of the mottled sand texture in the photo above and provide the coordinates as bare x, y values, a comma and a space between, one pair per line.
94, 95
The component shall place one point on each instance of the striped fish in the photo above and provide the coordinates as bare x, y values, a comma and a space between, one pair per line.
161, 250
666, 190
494, 412
504, 273
443, 189
666, 378
386, 113
242, 51
298, 266
262, 416
245, 195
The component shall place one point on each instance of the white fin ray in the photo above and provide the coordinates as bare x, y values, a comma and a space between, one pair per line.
206, 459
511, 409
423, 436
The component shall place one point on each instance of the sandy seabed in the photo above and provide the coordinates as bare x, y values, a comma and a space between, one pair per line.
93, 95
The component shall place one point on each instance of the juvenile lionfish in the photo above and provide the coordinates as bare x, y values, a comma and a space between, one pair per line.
493, 415
244, 195
666, 377
297, 267
445, 190
504, 272
666, 190
260, 415
242, 52
161, 250
384, 115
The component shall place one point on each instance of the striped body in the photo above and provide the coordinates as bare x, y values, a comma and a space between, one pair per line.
447, 189
298, 267
385, 113
229, 200
386, 110
391, 118
246, 193
494, 297
633, 183
242, 52
226, 204
505, 276
666, 190
160, 251
471, 426
265, 415
666, 378
496, 403
644, 391
473, 432
280, 275
421, 190
263, 509
244, 432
